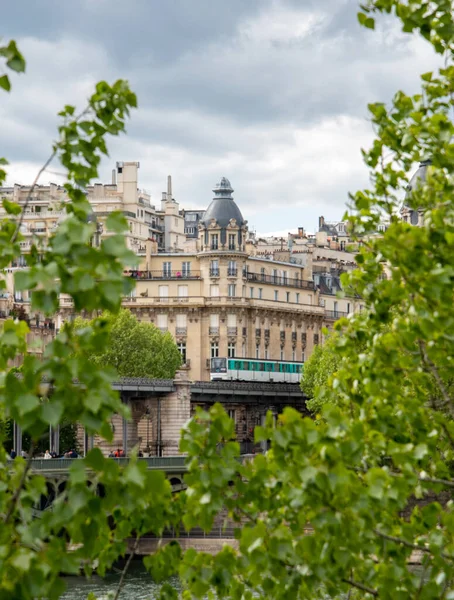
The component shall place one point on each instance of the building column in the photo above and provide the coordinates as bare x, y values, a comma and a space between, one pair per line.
54, 439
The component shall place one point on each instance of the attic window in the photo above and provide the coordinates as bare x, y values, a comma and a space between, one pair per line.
120, 169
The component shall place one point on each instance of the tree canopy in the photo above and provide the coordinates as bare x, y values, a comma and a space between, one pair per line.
135, 349
386, 439
318, 369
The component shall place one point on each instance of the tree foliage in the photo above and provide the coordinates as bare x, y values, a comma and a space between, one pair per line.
387, 436
318, 369
135, 349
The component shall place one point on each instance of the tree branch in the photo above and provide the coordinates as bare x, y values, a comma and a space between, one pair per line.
16, 495
29, 195
432, 368
361, 587
398, 540
126, 567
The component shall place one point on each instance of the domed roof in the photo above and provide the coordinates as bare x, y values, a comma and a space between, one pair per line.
418, 177
223, 207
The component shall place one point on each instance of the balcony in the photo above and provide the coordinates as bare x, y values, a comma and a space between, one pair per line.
267, 333
214, 330
163, 275
277, 280
38, 229
214, 272
294, 334
335, 314
214, 246
232, 272
232, 330
282, 335
181, 331
304, 339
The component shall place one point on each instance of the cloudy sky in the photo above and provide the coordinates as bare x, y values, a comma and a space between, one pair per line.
269, 93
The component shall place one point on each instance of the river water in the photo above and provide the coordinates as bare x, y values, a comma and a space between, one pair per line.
138, 585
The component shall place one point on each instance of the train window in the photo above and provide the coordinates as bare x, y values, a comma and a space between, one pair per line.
238, 365
262, 366
218, 363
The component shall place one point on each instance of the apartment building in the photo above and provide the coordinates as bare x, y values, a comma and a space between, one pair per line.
213, 293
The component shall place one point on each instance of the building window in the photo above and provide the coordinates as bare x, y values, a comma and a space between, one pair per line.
275, 276
232, 269
293, 355
232, 290
214, 241
214, 291
182, 291
262, 274
260, 293
181, 324
282, 354
257, 351
214, 268
315, 339
182, 349
266, 353
302, 356
231, 413
214, 324
167, 269
163, 291
287, 294
186, 268
297, 298
285, 278
232, 237
348, 307
214, 350
231, 320
162, 322
276, 295
231, 350
251, 292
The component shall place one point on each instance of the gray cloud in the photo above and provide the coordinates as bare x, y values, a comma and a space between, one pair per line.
271, 93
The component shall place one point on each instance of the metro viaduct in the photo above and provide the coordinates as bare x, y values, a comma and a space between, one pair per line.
161, 407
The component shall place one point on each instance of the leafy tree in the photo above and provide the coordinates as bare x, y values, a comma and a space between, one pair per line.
135, 349
318, 369
387, 436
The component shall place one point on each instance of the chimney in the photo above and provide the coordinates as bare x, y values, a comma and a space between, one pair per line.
321, 222
114, 177
169, 187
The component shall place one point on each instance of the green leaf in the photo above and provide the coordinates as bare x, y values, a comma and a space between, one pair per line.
117, 222
52, 412
5, 83
12, 208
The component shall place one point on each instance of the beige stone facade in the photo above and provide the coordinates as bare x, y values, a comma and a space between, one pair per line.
213, 293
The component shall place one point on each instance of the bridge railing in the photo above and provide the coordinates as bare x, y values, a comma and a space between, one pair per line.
153, 462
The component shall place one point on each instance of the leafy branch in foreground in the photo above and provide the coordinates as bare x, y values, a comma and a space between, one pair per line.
372, 479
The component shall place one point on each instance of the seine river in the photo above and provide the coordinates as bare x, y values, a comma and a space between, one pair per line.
138, 586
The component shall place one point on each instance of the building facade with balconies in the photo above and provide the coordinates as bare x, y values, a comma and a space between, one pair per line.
218, 301
209, 292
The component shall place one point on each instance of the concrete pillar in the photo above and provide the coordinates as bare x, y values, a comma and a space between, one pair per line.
175, 411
